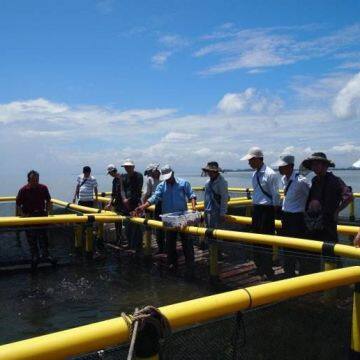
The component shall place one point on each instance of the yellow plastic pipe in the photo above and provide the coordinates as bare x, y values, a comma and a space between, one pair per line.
80, 207
7, 198
112, 332
245, 220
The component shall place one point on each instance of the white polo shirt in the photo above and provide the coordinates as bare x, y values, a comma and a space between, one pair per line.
269, 181
86, 191
297, 193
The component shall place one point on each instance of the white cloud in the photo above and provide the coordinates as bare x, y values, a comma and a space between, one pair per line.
173, 41
177, 137
161, 58
60, 136
105, 6
345, 148
347, 102
271, 47
249, 100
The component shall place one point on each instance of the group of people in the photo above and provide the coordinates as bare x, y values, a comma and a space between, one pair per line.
307, 210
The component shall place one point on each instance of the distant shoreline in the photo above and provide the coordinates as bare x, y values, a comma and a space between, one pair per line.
250, 170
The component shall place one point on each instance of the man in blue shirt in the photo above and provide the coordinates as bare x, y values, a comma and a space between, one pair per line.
174, 192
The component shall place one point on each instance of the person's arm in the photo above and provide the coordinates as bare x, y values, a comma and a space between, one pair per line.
190, 195
48, 205
96, 189
346, 198
154, 199
18, 208
357, 240
274, 190
77, 189
224, 198
148, 188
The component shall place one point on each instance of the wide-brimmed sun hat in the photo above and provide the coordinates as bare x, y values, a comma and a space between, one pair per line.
166, 173
212, 166
284, 161
254, 152
317, 156
128, 162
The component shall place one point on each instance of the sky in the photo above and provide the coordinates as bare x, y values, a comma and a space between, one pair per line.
93, 82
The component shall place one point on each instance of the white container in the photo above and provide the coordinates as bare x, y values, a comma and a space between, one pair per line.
181, 219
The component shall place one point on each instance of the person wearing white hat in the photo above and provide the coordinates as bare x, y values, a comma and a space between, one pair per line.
152, 173
296, 191
174, 192
116, 198
133, 183
266, 200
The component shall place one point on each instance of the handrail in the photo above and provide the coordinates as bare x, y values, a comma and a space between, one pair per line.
245, 220
240, 189
100, 335
81, 208
235, 236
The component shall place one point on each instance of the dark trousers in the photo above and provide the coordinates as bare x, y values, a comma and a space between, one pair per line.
263, 222
38, 240
187, 246
86, 203
327, 234
160, 235
293, 225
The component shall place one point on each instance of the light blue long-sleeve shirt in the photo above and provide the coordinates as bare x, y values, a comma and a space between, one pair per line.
219, 186
269, 181
174, 196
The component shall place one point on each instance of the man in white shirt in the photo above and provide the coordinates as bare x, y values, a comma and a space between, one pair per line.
266, 200
85, 188
296, 192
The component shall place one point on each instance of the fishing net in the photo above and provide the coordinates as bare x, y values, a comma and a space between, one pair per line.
303, 328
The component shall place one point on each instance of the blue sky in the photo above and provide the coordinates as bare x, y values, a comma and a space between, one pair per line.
184, 82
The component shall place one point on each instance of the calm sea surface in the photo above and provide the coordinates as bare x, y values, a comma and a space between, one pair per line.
80, 294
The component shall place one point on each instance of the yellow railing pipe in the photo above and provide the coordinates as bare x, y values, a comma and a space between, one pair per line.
7, 198
80, 207
113, 332
245, 220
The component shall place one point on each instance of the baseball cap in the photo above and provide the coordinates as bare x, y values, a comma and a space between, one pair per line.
254, 152
166, 173
284, 160
110, 168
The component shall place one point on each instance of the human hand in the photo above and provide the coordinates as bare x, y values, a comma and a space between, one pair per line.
357, 240
315, 205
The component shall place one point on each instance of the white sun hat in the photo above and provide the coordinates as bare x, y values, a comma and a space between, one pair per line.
128, 162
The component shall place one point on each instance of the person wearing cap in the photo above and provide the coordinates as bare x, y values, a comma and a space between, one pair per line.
132, 183
85, 188
152, 173
174, 192
116, 198
328, 196
296, 191
216, 195
266, 201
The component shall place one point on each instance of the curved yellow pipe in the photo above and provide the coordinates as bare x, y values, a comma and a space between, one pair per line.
100, 335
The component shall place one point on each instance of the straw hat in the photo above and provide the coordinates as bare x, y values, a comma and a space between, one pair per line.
212, 166
318, 156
